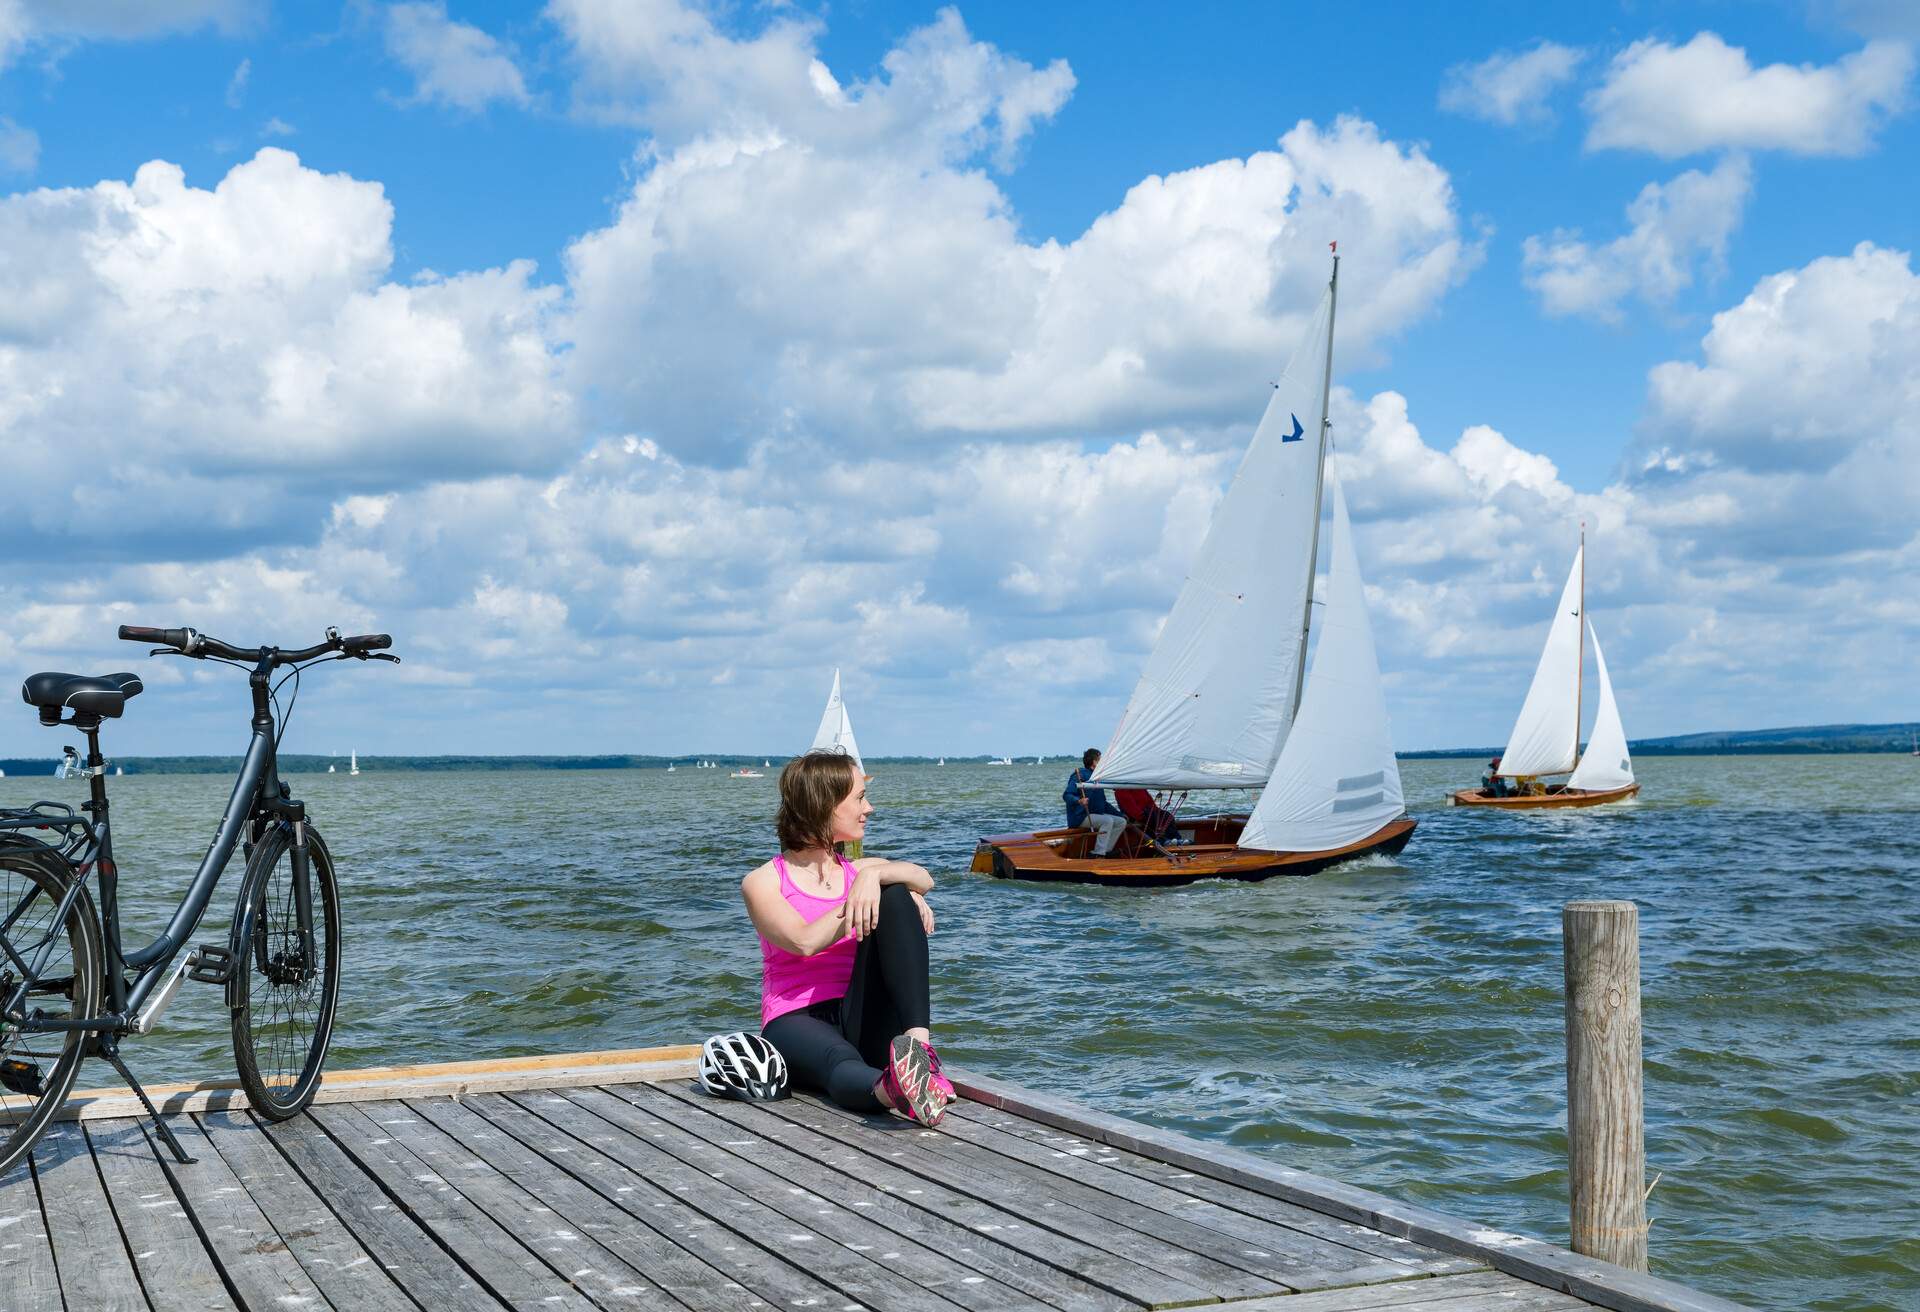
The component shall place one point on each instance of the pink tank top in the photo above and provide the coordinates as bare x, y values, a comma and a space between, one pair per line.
788, 981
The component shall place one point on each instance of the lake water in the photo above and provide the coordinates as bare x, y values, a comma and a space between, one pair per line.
1397, 1025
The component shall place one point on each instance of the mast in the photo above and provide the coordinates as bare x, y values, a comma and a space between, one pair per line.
1319, 483
1580, 663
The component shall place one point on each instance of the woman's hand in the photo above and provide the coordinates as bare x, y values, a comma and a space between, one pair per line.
926, 913
863, 904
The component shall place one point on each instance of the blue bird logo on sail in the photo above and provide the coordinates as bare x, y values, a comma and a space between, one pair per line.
1297, 432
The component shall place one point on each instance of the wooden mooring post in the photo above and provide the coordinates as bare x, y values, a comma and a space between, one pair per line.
1606, 1137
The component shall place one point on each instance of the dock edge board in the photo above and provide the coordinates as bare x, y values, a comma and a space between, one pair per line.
453, 1079
1532, 1260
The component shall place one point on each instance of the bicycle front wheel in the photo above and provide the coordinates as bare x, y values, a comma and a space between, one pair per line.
38, 1068
282, 993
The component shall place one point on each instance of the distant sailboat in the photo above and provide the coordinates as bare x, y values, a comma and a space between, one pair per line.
765, 764
353, 763
1546, 737
836, 728
331, 770
1225, 701
942, 761
1004, 760
117, 772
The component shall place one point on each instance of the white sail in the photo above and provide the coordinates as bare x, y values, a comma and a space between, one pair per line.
1546, 737
1605, 764
1337, 780
836, 728
1215, 700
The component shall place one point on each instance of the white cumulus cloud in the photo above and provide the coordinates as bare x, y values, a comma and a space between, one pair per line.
201, 353
1677, 228
452, 63
1706, 95
1510, 87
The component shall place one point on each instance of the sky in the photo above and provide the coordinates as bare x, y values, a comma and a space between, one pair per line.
638, 363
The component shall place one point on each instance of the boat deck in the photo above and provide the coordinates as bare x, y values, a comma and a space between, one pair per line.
583, 1182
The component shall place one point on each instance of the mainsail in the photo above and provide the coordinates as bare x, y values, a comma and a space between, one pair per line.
836, 729
1215, 701
1546, 737
1605, 764
1337, 780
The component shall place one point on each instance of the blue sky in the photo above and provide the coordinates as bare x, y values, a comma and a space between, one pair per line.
637, 364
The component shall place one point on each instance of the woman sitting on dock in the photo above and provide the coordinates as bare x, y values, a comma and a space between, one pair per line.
843, 950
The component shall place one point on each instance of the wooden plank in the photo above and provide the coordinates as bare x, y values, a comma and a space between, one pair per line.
687, 1279
454, 1079
794, 1198
251, 1257
1486, 1291
27, 1272
1532, 1260
88, 1249
854, 1275
1299, 1261
870, 1192
579, 1257
174, 1267
1089, 1262
762, 1278
1289, 1215
497, 1259
1056, 1204
323, 1245
406, 1251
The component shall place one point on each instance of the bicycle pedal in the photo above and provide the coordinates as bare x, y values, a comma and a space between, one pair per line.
210, 964
22, 1077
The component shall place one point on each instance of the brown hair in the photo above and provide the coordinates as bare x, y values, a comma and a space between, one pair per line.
811, 786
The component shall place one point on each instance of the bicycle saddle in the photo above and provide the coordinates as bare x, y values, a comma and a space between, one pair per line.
87, 694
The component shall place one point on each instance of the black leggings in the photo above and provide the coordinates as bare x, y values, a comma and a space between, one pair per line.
838, 1046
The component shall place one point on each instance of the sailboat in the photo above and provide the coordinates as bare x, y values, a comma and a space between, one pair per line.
836, 728
1225, 701
353, 763
1546, 737
943, 760
331, 770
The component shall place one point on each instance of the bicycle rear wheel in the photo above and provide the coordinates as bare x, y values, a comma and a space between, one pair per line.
68, 955
283, 1010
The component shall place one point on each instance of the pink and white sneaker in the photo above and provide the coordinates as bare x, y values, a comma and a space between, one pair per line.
909, 1082
942, 1085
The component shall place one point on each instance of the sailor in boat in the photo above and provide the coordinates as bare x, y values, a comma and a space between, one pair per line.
1159, 825
1088, 808
844, 991
1493, 783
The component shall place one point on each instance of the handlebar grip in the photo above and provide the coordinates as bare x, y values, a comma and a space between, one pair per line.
367, 642
175, 638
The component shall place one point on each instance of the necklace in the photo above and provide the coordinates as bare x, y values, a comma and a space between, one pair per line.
819, 877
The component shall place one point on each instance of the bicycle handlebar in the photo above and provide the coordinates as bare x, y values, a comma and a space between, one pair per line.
198, 645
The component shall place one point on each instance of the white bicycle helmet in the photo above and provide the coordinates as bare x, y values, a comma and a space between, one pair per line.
742, 1065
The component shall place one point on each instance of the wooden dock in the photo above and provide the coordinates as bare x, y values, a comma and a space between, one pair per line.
604, 1181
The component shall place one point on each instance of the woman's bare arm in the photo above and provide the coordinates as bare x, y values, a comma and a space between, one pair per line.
896, 872
777, 921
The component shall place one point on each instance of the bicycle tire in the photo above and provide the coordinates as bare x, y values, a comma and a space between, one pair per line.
50, 876
287, 1020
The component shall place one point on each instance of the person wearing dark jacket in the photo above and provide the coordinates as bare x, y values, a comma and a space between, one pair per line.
1088, 808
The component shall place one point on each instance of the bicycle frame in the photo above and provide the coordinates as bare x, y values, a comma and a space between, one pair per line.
257, 794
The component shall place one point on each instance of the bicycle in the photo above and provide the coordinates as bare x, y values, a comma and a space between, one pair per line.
69, 988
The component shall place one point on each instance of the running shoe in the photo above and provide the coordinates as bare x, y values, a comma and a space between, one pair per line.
909, 1081
942, 1085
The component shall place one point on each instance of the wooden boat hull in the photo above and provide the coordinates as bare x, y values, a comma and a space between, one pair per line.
1558, 795
1065, 856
